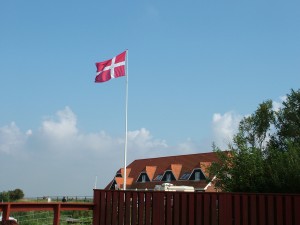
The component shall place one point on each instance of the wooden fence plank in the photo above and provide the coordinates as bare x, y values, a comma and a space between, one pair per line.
158, 208
134, 211
155, 208
288, 214
148, 209
214, 211
271, 215
114, 218
236, 209
108, 207
279, 210
176, 209
191, 209
169, 208
207, 206
222, 210
297, 210
96, 210
121, 208
261, 212
102, 212
183, 206
141, 213
199, 209
253, 206
245, 211
128, 200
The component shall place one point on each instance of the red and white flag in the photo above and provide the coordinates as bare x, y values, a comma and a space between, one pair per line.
112, 68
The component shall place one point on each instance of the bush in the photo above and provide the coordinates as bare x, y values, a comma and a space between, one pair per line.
13, 195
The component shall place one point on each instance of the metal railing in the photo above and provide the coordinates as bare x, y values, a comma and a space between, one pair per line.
8, 208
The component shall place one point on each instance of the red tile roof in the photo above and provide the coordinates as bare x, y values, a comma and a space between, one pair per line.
179, 165
150, 170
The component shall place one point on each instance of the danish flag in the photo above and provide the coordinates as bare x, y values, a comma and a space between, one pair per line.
112, 68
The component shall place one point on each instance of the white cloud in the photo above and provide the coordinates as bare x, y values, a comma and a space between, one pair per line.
189, 146
11, 139
63, 160
29, 132
141, 144
142, 139
278, 104
64, 127
224, 127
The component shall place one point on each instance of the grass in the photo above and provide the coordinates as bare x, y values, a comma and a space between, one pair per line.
46, 217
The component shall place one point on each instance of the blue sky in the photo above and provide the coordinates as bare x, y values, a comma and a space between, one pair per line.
195, 69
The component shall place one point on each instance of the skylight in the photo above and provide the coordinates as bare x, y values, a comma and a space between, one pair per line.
185, 176
158, 177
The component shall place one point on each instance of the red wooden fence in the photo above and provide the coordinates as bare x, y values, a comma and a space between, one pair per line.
182, 208
177, 208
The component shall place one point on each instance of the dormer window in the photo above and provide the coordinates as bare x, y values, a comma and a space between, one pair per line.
114, 185
168, 176
143, 178
197, 175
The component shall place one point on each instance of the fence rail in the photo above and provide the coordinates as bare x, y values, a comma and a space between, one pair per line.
182, 208
7, 208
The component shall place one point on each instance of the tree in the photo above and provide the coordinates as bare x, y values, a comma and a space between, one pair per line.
13, 195
16, 194
265, 153
288, 122
4, 196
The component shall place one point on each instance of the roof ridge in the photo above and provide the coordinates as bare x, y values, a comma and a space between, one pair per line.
159, 157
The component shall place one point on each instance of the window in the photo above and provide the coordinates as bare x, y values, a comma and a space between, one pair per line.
185, 176
197, 175
143, 178
158, 177
114, 185
168, 178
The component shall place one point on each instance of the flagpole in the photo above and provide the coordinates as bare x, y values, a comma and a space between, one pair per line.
126, 122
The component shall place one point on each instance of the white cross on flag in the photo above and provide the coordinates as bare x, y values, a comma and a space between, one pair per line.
112, 68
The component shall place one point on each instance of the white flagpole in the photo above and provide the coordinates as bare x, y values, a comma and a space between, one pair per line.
95, 182
126, 116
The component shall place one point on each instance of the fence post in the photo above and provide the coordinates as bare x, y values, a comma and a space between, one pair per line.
96, 210
56, 218
6, 212
158, 215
